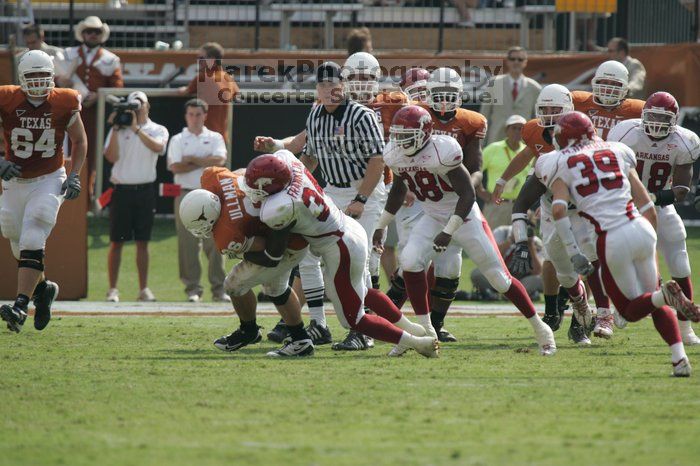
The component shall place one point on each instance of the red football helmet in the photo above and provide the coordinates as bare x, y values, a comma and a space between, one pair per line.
266, 175
573, 128
660, 115
411, 129
413, 84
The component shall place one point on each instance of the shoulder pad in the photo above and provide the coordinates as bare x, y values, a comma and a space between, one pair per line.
448, 150
277, 211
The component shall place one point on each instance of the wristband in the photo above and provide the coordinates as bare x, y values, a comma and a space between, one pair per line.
563, 227
384, 220
277, 259
453, 225
501, 182
560, 202
645, 207
277, 145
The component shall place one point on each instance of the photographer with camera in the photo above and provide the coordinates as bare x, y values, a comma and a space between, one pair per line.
133, 146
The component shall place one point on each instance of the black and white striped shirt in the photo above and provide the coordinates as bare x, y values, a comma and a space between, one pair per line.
343, 141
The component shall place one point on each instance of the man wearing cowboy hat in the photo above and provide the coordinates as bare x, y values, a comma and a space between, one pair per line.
91, 67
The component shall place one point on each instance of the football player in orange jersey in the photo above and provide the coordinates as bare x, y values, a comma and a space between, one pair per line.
223, 210
34, 118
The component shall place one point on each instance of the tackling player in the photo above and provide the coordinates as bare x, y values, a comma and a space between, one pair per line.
601, 178
34, 117
222, 209
665, 155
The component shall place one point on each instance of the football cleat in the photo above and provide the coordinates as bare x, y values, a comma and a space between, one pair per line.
682, 368
279, 332
14, 317
369, 341
603, 324
294, 349
146, 296
674, 297
427, 346
398, 351
112, 295
238, 339
687, 333
319, 334
620, 322
42, 304
582, 312
193, 298
577, 333
553, 320
545, 340
354, 341
444, 336
221, 298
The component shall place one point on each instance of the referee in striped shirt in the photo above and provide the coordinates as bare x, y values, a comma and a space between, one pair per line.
344, 139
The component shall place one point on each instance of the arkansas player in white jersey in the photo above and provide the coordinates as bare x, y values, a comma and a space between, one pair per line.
601, 179
431, 167
293, 202
665, 156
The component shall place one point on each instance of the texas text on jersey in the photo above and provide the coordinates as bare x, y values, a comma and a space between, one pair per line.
34, 134
605, 118
239, 222
425, 173
657, 159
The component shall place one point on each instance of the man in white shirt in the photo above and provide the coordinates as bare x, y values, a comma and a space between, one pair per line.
619, 49
190, 152
134, 149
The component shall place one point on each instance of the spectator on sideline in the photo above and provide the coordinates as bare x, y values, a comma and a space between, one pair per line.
90, 66
34, 39
214, 86
190, 151
532, 281
359, 40
134, 151
619, 49
497, 156
518, 92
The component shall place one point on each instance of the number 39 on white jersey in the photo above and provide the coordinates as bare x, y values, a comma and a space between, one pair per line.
303, 203
597, 177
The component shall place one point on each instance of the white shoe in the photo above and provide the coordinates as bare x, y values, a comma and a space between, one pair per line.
687, 333
620, 322
221, 298
398, 351
146, 295
583, 312
113, 295
194, 298
427, 346
603, 324
674, 297
545, 340
682, 368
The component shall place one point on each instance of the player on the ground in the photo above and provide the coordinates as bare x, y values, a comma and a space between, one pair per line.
431, 167
292, 202
665, 155
34, 117
601, 178
222, 209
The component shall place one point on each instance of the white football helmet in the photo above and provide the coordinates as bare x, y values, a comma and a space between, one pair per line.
554, 101
36, 61
444, 90
199, 211
606, 94
361, 73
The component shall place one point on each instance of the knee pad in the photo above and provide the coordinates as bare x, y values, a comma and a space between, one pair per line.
233, 285
38, 224
567, 280
679, 264
281, 299
498, 278
32, 259
444, 288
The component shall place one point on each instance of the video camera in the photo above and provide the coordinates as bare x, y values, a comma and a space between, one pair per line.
121, 107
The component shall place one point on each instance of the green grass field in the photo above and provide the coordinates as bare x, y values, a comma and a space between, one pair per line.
154, 391
164, 279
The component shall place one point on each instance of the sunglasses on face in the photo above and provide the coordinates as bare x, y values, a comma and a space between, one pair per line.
92, 31
516, 59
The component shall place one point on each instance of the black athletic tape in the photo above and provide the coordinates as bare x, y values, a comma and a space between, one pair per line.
281, 299
31, 259
445, 288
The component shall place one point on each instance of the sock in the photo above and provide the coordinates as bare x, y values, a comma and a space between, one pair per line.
381, 305
677, 352
437, 319
639, 308
599, 296
22, 302
375, 282
687, 288
379, 329
684, 326
40, 287
667, 325
550, 304
536, 322
249, 326
657, 299
518, 296
417, 289
317, 312
424, 320
298, 332
576, 291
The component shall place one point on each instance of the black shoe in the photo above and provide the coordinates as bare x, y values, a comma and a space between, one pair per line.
354, 341
445, 336
238, 339
42, 305
14, 317
291, 349
577, 333
319, 334
279, 332
461, 295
